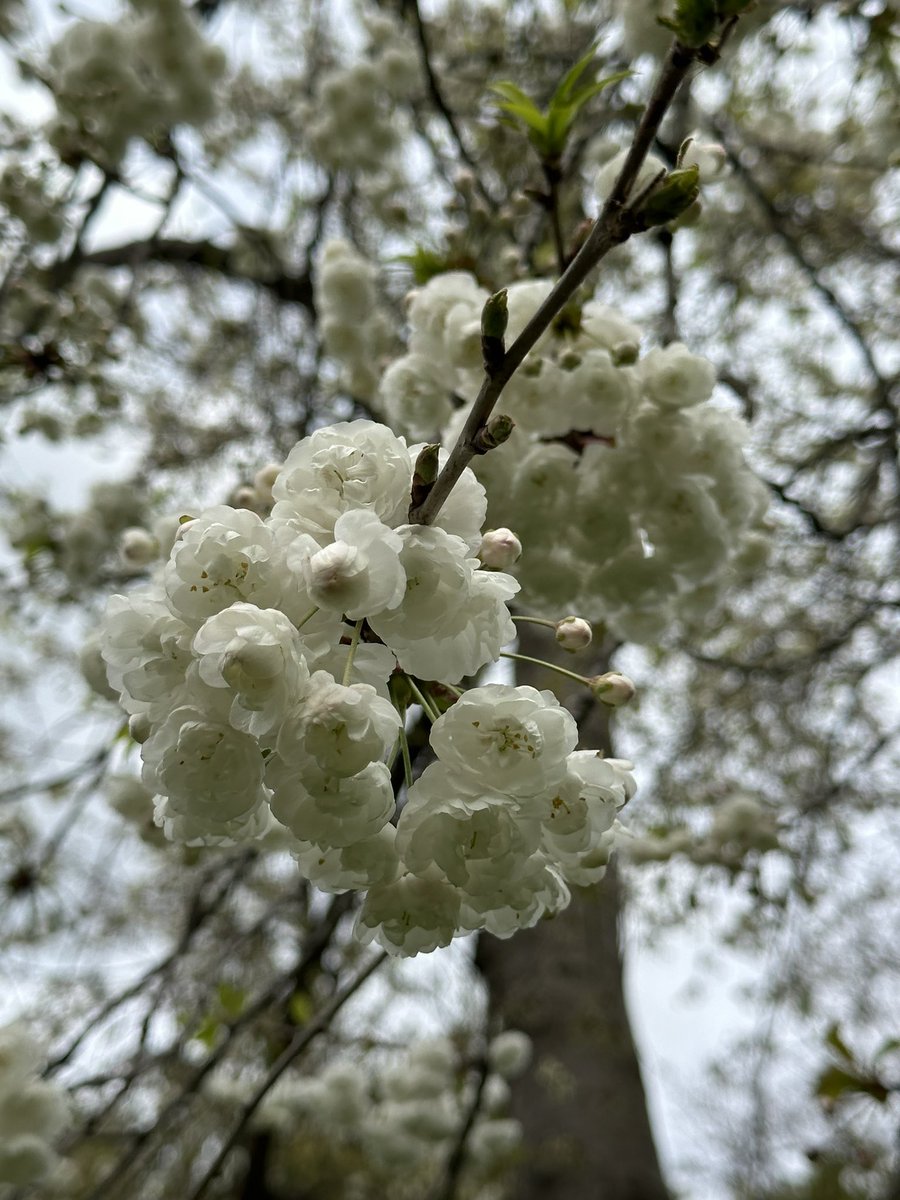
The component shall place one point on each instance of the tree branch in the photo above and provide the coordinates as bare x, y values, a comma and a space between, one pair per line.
615, 225
283, 284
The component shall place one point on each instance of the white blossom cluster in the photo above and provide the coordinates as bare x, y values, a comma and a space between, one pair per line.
629, 491
403, 1116
351, 123
496, 829
33, 1112
740, 826
257, 668
134, 78
355, 329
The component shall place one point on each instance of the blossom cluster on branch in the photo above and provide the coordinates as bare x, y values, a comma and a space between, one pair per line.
267, 670
628, 488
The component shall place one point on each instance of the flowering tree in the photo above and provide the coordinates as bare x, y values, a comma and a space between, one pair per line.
471, 370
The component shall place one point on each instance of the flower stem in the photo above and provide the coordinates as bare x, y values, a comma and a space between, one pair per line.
428, 706
351, 654
309, 616
407, 761
537, 621
539, 662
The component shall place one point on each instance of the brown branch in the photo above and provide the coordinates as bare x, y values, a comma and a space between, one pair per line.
283, 284
295, 1048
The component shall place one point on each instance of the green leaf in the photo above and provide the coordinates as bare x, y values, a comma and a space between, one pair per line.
231, 999
835, 1083
300, 1008
208, 1030
548, 130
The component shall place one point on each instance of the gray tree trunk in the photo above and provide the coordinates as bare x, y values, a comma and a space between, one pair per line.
582, 1102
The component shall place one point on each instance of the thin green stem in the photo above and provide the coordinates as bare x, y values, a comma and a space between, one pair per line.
428, 705
537, 621
539, 662
309, 616
351, 654
407, 761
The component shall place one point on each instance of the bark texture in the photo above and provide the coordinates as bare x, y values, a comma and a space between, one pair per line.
582, 1102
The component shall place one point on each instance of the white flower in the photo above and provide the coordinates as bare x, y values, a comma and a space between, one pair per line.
519, 901
415, 396
512, 739
453, 618
257, 654
207, 770
409, 916
330, 810
33, 1112
351, 465
672, 377
709, 157
359, 573
147, 652
338, 729
224, 555
356, 867
604, 785
608, 328
475, 835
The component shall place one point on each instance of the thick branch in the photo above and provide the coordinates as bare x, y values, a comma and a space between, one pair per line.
292, 288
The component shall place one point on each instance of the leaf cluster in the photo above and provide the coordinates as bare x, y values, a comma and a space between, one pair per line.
548, 129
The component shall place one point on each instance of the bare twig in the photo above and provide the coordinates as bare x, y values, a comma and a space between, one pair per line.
292, 1051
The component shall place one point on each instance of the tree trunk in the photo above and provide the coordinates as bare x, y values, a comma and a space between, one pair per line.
582, 1102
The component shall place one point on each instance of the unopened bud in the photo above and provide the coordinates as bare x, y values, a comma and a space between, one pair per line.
677, 192
245, 497
139, 727
612, 689
625, 353
494, 319
574, 633
138, 547
500, 548
425, 473
497, 431
264, 480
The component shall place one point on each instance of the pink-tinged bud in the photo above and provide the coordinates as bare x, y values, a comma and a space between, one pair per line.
612, 689
500, 548
574, 633
138, 547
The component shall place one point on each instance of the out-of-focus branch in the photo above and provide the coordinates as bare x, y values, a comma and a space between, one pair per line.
281, 283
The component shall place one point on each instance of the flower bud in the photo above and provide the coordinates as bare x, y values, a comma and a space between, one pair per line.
574, 633
264, 480
139, 727
245, 497
500, 548
612, 689
675, 194
138, 547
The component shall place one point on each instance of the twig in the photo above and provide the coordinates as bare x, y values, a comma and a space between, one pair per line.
614, 226
292, 1051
